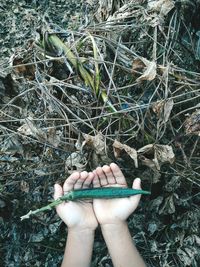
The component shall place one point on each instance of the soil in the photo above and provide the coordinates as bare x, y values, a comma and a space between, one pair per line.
52, 121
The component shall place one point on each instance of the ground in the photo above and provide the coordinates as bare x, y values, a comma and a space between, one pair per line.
130, 97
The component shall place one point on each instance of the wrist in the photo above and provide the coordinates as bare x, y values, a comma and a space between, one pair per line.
81, 230
114, 227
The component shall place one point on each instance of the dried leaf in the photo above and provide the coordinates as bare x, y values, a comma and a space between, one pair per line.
76, 161
12, 145
54, 137
164, 153
137, 64
96, 142
158, 107
187, 255
147, 157
161, 6
152, 228
163, 109
8, 158
24, 186
2, 204
149, 69
168, 206
153, 155
167, 109
22, 69
146, 149
39, 236
173, 184
148, 162
54, 227
154, 247
2, 89
154, 205
192, 123
129, 150
29, 128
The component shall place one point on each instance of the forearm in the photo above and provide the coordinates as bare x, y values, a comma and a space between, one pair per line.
78, 250
121, 247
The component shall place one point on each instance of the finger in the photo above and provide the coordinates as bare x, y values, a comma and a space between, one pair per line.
102, 176
136, 185
109, 175
96, 182
80, 181
58, 191
88, 180
71, 181
119, 177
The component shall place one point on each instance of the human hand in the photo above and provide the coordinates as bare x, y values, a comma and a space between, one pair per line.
113, 211
76, 215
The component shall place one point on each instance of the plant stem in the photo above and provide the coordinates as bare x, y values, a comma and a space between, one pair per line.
106, 192
92, 81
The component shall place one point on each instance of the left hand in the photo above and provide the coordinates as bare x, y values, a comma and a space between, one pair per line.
77, 215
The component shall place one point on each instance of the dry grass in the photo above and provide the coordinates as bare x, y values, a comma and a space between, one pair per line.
132, 76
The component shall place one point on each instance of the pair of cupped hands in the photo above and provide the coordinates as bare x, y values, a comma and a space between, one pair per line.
88, 214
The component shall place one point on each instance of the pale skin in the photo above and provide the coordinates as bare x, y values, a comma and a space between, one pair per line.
83, 217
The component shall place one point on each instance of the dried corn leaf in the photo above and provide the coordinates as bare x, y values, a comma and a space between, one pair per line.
117, 147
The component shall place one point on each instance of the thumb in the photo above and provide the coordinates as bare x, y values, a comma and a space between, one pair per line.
58, 191
136, 185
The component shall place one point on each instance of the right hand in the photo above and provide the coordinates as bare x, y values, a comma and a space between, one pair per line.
113, 211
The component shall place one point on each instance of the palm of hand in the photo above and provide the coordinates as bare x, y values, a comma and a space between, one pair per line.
112, 211
76, 214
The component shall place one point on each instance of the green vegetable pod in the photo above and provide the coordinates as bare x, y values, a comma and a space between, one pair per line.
103, 192
90, 193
